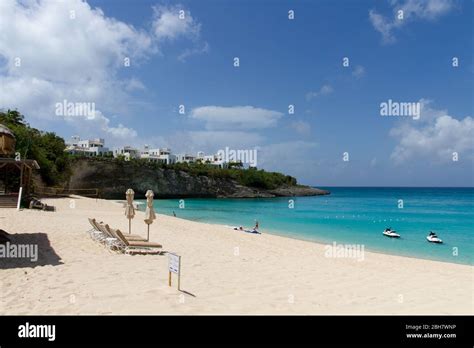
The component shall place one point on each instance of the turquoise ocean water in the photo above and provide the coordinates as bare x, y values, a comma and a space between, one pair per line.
354, 216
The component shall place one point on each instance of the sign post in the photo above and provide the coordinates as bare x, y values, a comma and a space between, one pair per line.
19, 198
174, 266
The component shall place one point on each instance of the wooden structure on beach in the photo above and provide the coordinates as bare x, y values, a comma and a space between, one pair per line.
7, 141
14, 173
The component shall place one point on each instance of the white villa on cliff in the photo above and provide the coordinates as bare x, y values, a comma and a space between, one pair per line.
95, 147
91, 147
162, 155
127, 151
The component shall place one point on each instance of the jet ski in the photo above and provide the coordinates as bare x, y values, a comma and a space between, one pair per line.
391, 233
433, 238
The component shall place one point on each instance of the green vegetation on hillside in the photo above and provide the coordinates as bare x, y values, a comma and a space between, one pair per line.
44, 147
251, 177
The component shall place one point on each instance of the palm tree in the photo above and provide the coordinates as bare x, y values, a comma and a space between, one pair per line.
12, 117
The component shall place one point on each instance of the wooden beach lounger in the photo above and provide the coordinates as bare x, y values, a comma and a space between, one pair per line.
96, 232
129, 237
101, 228
136, 246
117, 240
102, 235
92, 222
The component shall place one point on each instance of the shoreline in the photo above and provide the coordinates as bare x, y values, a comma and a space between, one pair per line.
226, 273
282, 234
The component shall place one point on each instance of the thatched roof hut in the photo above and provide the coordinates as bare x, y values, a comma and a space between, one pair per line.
7, 141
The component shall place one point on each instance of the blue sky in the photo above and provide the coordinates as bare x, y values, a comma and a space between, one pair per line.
190, 62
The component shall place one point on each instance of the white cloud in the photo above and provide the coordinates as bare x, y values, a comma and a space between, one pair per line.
64, 58
435, 138
134, 84
171, 23
426, 9
383, 25
236, 117
324, 90
167, 24
54, 47
193, 51
412, 10
208, 141
121, 132
297, 158
97, 123
214, 140
76, 59
303, 128
358, 71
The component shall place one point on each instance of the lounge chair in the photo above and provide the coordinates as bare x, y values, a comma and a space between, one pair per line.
130, 237
99, 229
96, 232
130, 246
92, 224
106, 237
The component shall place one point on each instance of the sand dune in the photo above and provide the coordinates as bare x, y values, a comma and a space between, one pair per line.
223, 272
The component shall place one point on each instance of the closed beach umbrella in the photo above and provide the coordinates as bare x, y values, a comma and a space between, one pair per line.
149, 212
129, 209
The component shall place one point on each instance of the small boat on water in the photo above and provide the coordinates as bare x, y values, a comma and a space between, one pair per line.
433, 238
391, 233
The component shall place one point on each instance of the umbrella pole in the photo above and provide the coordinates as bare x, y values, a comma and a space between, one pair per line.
148, 235
129, 226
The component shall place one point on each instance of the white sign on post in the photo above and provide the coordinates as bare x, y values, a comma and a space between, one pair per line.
173, 263
174, 266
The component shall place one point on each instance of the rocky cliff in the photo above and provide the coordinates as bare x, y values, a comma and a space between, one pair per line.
114, 178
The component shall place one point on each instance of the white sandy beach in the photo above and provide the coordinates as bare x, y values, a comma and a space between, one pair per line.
223, 272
